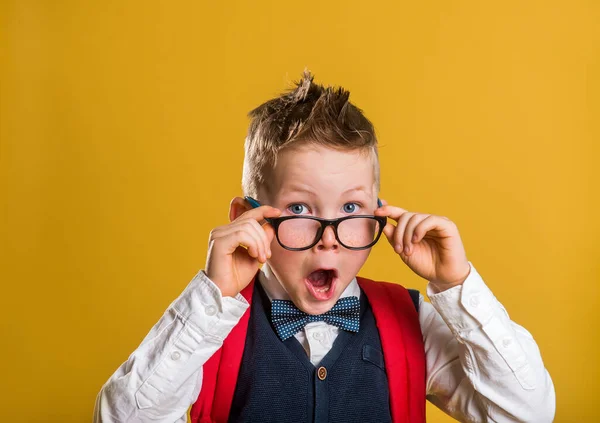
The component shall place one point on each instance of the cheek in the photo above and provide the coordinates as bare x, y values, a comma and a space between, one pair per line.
355, 260
287, 266
285, 261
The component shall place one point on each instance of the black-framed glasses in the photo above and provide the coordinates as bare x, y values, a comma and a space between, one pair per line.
298, 233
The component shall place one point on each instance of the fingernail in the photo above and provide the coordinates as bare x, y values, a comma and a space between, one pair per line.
407, 249
414, 238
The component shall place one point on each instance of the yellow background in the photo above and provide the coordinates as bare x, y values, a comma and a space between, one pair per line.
122, 126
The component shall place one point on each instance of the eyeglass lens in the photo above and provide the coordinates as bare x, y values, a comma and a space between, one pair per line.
299, 233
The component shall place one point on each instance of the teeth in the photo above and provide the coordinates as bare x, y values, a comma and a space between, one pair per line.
323, 289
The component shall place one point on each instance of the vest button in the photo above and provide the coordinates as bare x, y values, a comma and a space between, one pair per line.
322, 373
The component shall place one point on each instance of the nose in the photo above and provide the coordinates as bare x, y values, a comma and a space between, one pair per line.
328, 240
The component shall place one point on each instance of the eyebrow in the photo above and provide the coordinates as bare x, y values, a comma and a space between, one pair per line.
294, 188
311, 193
358, 188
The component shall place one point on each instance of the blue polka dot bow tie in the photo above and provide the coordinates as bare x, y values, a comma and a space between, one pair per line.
288, 319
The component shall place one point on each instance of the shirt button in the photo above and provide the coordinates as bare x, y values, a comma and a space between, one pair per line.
175, 355
506, 342
317, 335
210, 310
322, 373
474, 301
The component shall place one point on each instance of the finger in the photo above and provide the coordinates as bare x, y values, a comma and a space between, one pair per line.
388, 231
434, 226
258, 233
262, 227
270, 231
260, 213
394, 234
241, 237
248, 227
398, 241
411, 224
269, 212
263, 235
390, 211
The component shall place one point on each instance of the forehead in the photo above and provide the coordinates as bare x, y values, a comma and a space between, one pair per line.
323, 171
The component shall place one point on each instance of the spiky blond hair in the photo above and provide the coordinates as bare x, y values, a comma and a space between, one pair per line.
309, 113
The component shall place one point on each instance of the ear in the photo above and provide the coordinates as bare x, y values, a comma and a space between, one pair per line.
237, 207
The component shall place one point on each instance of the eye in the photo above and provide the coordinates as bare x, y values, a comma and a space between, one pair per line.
350, 207
297, 208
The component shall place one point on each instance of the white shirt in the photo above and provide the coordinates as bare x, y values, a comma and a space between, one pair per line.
481, 366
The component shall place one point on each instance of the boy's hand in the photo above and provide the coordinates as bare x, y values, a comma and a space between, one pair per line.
429, 245
236, 250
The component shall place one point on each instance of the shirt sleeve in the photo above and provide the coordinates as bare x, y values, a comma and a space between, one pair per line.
481, 366
163, 376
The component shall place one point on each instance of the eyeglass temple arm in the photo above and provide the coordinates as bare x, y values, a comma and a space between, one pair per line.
252, 202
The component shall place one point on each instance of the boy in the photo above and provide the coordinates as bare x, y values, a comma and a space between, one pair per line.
344, 348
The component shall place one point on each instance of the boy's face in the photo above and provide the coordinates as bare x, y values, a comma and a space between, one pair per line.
317, 181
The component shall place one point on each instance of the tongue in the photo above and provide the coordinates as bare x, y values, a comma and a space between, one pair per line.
319, 278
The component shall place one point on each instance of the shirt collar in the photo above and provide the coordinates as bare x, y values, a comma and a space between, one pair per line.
276, 291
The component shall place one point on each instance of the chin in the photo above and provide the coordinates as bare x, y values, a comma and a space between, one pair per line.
311, 306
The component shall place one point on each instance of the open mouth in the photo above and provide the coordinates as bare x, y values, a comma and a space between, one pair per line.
321, 283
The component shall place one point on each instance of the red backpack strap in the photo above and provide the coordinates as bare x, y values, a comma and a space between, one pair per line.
200, 412
403, 348
220, 372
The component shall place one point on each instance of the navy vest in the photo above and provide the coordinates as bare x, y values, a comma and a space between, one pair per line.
278, 383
